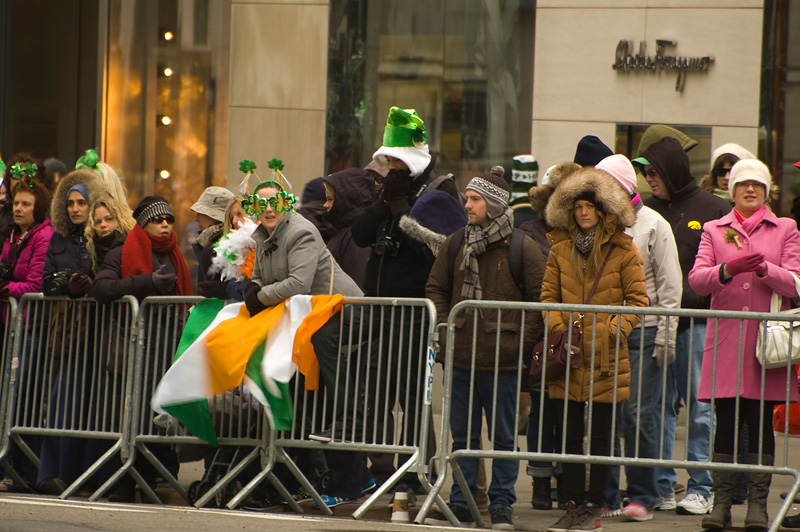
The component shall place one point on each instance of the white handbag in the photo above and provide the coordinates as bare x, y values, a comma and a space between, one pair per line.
779, 341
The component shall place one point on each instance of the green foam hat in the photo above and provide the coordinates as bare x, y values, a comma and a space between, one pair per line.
404, 129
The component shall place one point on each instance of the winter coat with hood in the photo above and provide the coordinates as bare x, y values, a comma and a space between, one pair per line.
777, 239
687, 210
67, 250
404, 272
293, 260
354, 191
651, 135
622, 282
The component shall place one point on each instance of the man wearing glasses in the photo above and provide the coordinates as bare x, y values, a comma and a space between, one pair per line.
678, 198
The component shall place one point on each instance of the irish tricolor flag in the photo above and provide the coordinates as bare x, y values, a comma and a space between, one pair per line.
223, 346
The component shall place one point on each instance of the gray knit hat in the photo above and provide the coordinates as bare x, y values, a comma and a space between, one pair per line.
149, 208
493, 187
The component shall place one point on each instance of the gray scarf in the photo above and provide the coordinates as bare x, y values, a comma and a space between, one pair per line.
584, 242
476, 239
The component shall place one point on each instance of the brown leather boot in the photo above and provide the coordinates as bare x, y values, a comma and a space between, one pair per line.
724, 486
757, 491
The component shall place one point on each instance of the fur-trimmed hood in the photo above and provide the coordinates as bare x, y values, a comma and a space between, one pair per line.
609, 196
58, 207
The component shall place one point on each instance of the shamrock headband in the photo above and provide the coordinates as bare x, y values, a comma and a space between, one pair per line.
254, 204
249, 167
20, 171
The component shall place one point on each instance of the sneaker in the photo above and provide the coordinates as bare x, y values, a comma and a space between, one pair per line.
331, 501
501, 518
695, 504
567, 520
588, 518
336, 432
611, 512
369, 486
299, 496
665, 503
461, 513
636, 512
8, 485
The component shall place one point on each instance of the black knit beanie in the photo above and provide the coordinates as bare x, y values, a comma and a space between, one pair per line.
591, 151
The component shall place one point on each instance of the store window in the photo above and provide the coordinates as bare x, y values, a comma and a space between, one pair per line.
165, 116
466, 66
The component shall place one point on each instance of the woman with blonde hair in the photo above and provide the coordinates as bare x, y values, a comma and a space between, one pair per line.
589, 213
110, 221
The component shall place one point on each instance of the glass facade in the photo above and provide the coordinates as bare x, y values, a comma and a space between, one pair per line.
466, 66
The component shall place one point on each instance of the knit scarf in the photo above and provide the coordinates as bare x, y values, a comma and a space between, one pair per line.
137, 257
584, 242
102, 246
476, 240
749, 224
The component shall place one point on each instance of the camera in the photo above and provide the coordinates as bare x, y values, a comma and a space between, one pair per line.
6, 271
56, 284
387, 246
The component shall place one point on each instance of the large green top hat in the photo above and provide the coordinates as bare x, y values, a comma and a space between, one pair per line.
404, 129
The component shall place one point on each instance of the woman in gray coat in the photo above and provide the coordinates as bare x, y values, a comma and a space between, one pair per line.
292, 259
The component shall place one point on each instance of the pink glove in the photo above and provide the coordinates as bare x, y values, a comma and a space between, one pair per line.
749, 262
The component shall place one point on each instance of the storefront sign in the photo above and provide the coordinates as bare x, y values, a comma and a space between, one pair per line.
626, 61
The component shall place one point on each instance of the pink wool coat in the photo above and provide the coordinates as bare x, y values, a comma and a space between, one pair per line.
777, 238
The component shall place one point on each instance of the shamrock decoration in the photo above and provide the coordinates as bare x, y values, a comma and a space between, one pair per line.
733, 237
19, 171
254, 204
2, 167
276, 164
247, 167
89, 160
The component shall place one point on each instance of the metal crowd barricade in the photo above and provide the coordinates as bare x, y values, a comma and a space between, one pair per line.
239, 427
447, 457
73, 361
386, 350
8, 313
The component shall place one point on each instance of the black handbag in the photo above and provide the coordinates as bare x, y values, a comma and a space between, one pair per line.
562, 348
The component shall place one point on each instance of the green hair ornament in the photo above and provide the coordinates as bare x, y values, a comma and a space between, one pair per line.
89, 160
20, 171
276, 165
249, 169
2, 168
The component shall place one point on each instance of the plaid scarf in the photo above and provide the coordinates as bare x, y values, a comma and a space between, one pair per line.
477, 240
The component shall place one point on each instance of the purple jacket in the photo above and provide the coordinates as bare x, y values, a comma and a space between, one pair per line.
777, 238
30, 262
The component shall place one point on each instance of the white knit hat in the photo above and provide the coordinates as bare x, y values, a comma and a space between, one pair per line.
733, 149
749, 170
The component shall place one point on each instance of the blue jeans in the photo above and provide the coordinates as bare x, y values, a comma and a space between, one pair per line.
641, 480
699, 414
504, 472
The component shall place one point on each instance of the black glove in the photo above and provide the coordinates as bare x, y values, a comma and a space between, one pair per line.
251, 301
212, 289
163, 280
4, 288
79, 285
396, 185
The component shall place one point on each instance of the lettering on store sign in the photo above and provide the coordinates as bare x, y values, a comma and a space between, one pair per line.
626, 61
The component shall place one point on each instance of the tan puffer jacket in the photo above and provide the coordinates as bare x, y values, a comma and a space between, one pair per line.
622, 283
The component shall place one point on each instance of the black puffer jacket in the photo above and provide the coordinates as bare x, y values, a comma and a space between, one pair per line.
110, 286
403, 270
67, 251
686, 210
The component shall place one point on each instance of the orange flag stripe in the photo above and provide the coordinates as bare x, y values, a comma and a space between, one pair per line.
322, 308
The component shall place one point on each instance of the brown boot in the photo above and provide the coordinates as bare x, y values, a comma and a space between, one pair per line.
724, 486
757, 491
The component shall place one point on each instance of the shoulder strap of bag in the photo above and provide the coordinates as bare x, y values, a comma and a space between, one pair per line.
599, 273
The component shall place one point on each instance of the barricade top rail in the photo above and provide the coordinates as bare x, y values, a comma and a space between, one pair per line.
609, 309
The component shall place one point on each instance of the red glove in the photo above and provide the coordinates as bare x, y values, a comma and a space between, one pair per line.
749, 262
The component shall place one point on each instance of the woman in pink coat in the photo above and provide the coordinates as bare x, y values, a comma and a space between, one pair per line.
743, 257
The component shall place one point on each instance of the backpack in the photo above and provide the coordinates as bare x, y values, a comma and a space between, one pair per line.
437, 181
515, 259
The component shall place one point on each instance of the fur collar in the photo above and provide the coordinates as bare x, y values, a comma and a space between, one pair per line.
58, 207
614, 201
